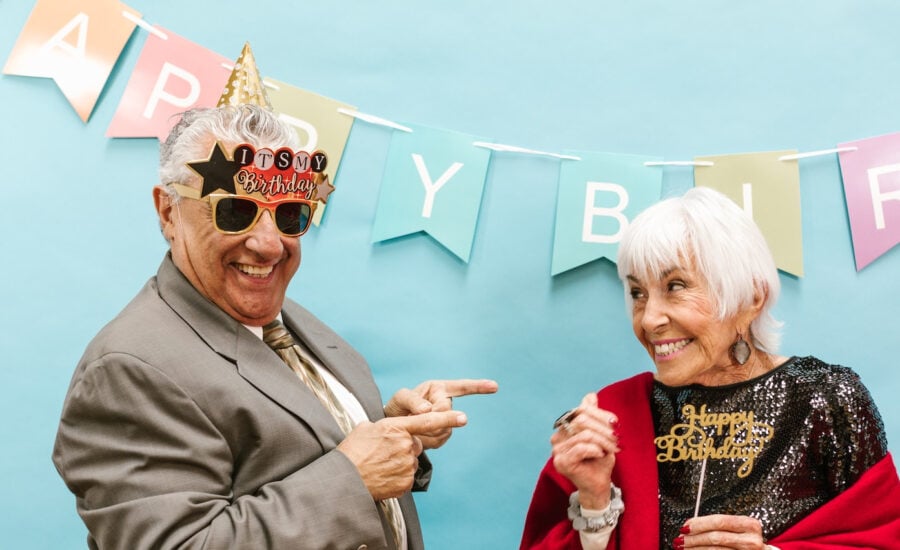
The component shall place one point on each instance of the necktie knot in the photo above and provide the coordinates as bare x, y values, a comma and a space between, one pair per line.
276, 335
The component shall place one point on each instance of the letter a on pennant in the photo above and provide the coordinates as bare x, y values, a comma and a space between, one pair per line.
412, 200
597, 197
171, 76
76, 43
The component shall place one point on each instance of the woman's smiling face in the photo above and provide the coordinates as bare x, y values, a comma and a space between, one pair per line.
675, 319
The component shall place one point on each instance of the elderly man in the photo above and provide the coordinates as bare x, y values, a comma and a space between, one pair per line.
195, 420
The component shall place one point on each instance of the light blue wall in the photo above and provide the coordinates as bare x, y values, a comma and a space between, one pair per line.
674, 79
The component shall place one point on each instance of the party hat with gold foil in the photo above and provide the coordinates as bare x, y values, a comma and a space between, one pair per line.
245, 86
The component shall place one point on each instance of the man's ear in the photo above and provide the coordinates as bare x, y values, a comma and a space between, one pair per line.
162, 200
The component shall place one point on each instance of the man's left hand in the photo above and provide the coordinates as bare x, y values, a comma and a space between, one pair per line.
435, 395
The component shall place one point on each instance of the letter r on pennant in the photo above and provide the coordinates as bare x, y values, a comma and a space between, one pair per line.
878, 198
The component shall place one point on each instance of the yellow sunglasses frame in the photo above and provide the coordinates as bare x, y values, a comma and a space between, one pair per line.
193, 193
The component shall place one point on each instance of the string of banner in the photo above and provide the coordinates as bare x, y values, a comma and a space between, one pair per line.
372, 119
578, 249
597, 192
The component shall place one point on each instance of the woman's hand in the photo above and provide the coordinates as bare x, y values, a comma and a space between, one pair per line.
721, 532
584, 450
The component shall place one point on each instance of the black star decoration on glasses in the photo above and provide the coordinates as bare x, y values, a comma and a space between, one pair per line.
217, 172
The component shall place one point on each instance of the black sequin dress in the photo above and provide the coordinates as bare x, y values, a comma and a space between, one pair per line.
775, 447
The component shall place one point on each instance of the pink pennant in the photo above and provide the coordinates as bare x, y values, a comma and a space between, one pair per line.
76, 43
871, 176
172, 75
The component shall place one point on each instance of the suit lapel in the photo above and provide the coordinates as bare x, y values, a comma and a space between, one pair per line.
260, 366
255, 361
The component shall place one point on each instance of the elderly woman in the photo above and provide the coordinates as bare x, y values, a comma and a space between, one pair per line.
728, 445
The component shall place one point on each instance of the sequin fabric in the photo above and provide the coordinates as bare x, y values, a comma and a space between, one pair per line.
776, 447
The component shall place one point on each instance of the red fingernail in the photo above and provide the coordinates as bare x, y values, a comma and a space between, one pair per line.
685, 529
678, 543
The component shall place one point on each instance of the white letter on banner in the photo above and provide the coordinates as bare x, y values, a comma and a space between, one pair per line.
159, 93
311, 133
432, 188
748, 199
590, 211
80, 21
878, 198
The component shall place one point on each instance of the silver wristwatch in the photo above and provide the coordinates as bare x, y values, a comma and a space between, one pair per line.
607, 518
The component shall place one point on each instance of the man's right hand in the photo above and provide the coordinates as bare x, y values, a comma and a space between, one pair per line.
385, 452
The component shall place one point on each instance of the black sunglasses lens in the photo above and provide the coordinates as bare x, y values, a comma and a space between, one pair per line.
292, 218
235, 214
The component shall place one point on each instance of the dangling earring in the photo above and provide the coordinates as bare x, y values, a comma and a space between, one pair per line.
740, 350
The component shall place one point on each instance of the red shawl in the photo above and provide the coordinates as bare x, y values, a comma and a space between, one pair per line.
867, 515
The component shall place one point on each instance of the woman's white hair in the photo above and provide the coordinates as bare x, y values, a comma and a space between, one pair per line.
193, 136
726, 246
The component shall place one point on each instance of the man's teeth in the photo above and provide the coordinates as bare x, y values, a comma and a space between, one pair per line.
671, 347
255, 271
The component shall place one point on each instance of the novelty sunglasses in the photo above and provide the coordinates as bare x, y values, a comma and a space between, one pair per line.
236, 214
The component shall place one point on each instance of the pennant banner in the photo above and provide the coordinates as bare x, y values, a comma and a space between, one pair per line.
871, 176
76, 44
433, 182
597, 197
172, 75
434, 179
317, 121
769, 190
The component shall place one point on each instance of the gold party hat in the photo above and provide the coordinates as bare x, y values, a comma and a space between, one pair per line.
245, 86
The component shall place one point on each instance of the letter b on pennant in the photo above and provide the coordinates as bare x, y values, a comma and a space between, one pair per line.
591, 211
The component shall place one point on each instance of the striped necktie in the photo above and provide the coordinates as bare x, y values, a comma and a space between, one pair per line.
277, 337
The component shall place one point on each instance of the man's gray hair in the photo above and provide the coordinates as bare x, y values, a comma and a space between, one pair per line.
193, 137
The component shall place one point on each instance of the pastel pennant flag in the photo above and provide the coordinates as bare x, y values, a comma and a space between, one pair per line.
871, 176
172, 75
317, 121
74, 42
433, 182
769, 190
597, 197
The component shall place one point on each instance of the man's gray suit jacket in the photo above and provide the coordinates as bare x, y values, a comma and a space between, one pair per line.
182, 429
